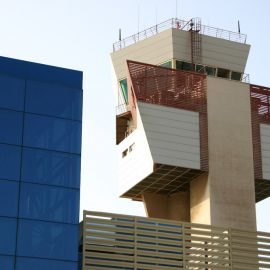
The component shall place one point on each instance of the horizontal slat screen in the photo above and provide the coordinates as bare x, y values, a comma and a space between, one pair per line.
112, 241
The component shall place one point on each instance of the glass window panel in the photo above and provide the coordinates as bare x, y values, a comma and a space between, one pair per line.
8, 198
179, 65
236, 76
47, 240
52, 133
11, 93
43, 264
49, 203
200, 68
11, 126
210, 71
10, 162
8, 228
53, 99
6, 262
167, 64
49, 167
124, 88
223, 73
187, 66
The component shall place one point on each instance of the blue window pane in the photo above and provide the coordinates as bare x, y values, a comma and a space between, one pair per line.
55, 100
49, 167
49, 203
11, 93
11, 127
43, 264
7, 235
8, 198
52, 133
47, 240
10, 162
6, 262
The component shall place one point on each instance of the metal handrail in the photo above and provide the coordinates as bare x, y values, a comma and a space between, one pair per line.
179, 24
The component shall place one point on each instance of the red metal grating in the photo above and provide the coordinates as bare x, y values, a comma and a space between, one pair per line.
260, 113
172, 88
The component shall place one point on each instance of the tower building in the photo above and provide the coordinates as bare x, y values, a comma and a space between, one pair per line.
188, 117
193, 140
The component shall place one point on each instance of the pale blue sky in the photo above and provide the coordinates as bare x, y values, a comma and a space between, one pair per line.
78, 34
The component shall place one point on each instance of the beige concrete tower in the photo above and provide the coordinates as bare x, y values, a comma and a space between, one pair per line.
191, 137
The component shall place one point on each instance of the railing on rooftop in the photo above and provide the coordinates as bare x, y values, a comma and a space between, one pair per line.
112, 241
179, 24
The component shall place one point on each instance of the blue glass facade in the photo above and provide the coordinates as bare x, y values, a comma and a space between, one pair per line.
40, 154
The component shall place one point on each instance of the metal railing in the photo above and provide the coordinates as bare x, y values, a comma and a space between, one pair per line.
121, 108
179, 24
112, 241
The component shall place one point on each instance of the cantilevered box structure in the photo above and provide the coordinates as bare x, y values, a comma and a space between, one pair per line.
193, 139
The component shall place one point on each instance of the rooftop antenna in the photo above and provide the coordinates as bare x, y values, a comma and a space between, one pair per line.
239, 30
120, 34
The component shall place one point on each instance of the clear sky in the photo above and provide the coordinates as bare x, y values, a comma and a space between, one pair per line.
79, 34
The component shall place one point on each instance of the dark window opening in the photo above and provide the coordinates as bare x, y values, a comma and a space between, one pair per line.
236, 76
223, 73
210, 71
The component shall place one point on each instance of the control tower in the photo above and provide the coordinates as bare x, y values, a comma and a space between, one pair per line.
193, 135
193, 139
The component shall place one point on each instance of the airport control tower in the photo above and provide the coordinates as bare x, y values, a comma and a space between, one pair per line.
193, 140
193, 135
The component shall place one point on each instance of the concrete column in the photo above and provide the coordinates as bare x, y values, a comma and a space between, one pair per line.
174, 207
200, 211
231, 173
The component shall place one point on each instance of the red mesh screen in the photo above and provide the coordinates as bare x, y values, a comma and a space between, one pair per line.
173, 88
260, 113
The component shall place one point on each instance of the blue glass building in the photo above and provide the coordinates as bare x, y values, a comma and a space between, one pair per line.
40, 153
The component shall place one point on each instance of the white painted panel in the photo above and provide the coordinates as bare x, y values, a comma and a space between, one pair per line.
172, 134
138, 163
265, 149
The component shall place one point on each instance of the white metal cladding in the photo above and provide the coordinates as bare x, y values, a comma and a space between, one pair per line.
172, 134
265, 150
137, 163
112, 241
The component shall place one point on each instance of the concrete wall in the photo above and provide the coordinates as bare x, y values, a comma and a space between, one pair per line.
265, 149
172, 134
231, 173
153, 50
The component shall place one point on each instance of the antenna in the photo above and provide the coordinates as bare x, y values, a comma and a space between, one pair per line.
239, 30
120, 34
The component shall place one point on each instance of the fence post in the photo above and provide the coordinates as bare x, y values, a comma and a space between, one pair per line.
230, 247
184, 246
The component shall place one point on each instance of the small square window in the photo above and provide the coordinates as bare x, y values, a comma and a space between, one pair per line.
124, 153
